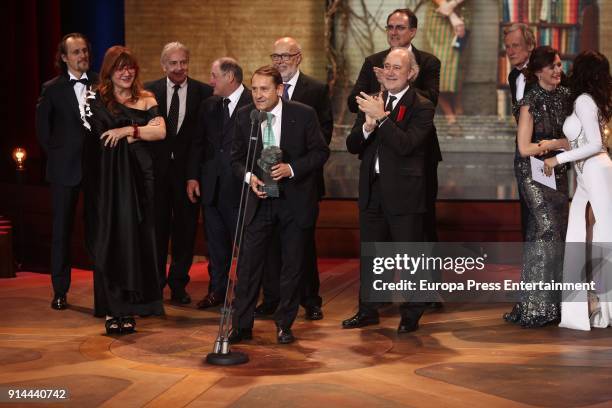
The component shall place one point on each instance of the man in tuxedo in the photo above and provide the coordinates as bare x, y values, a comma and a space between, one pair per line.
401, 30
519, 41
176, 217
61, 134
210, 174
293, 127
299, 87
392, 136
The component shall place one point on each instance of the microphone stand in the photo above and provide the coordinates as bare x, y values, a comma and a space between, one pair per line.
221, 354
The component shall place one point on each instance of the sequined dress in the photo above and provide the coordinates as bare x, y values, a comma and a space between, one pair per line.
548, 211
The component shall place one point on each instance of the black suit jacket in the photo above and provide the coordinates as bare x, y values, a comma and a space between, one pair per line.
210, 155
402, 144
427, 83
315, 94
60, 129
303, 148
179, 145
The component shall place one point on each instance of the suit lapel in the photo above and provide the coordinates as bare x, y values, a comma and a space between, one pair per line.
71, 97
163, 97
287, 125
407, 101
300, 90
405, 104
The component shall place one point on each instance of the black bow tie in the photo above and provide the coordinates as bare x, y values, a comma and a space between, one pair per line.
84, 81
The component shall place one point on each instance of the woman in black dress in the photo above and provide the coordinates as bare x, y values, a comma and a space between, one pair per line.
541, 114
118, 164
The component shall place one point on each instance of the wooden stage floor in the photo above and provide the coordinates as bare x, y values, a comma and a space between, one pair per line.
463, 356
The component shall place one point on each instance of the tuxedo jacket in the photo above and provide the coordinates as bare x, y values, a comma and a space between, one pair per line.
178, 145
210, 154
402, 143
427, 82
60, 130
303, 148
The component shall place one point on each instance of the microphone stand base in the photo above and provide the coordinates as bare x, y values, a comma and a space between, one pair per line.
227, 359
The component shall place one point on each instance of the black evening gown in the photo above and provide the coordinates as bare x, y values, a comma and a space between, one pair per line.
119, 216
548, 211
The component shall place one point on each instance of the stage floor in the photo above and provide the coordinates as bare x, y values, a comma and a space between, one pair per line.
463, 356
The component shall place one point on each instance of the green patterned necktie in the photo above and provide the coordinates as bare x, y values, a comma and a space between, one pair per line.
268, 135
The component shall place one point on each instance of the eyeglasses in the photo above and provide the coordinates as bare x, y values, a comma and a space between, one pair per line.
399, 28
283, 57
127, 68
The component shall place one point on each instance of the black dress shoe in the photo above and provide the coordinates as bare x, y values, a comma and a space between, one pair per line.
407, 326
359, 320
284, 336
181, 298
265, 309
59, 302
211, 300
313, 313
238, 335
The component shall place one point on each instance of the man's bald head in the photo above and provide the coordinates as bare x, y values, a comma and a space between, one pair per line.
287, 56
400, 68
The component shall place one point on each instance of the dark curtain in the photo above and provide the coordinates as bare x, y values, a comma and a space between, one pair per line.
32, 29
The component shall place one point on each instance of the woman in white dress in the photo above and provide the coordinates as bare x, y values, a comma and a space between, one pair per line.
591, 93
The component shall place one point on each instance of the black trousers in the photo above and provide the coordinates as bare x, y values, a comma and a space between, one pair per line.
220, 226
64, 201
309, 285
273, 217
377, 226
176, 222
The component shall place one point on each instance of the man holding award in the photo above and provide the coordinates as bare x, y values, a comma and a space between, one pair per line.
283, 196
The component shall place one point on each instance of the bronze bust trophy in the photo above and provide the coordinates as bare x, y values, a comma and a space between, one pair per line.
270, 156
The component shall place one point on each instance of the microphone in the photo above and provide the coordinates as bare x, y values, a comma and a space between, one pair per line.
254, 116
262, 116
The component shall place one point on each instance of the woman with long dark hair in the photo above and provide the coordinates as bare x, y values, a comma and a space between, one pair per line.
120, 232
589, 111
540, 120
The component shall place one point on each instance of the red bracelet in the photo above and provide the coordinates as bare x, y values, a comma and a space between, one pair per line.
136, 134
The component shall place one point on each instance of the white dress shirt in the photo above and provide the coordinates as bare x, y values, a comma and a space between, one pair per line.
182, 94
398, 96
234, 98
520, 83
292, 82
277, 113
80, 90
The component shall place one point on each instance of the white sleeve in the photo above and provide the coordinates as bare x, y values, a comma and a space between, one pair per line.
587, 113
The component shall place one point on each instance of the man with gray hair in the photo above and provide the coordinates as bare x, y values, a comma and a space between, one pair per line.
210, 177
179, 99
519, 41
392, 134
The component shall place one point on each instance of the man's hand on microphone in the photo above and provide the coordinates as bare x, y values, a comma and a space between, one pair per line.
280, 171
193, 190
